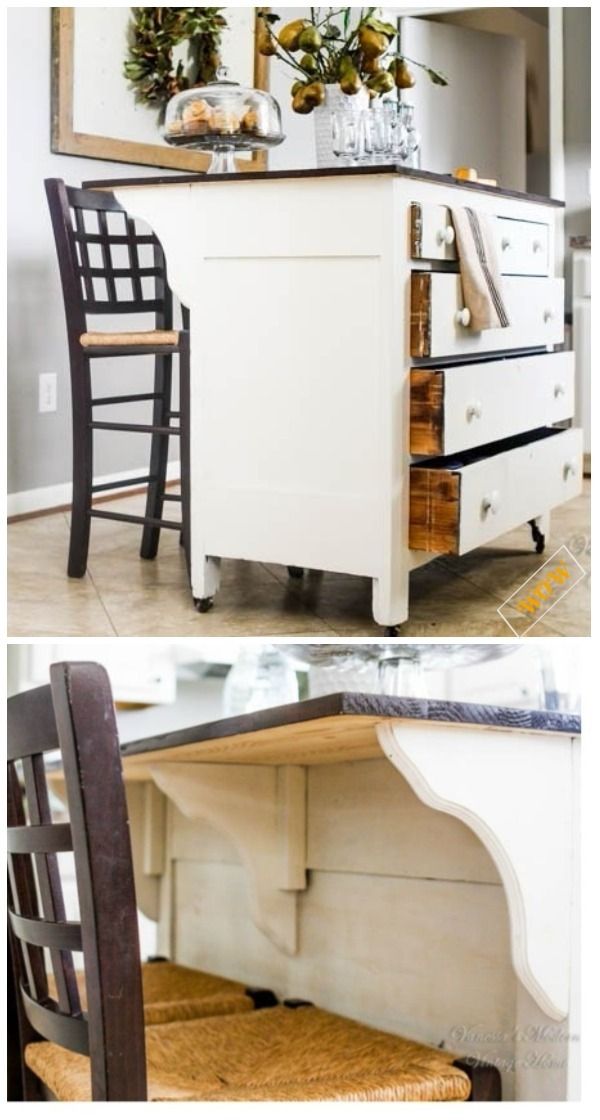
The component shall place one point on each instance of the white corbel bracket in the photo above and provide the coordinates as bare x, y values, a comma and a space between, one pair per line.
262, 809
515, 790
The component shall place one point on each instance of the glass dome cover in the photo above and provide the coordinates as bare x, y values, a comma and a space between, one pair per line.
223, 117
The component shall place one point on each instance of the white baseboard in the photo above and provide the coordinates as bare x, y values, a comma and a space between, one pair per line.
48, 497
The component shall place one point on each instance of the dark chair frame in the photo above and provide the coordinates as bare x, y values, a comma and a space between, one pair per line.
75, 714
68, 206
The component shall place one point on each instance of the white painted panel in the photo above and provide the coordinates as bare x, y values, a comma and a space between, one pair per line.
388, 832
522, 483
478, 120
494, 400
417, 957
535, 312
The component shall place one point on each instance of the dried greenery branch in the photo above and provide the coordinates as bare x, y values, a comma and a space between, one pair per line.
154, 33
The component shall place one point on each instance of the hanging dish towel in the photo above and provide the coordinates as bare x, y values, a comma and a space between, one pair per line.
479, 270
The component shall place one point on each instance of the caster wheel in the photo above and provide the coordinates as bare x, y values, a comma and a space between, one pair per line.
539, 539
295, 573
390, 632
203, 605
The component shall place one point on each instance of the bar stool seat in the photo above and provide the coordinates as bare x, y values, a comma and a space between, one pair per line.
129, 338
277, 1054
173, 992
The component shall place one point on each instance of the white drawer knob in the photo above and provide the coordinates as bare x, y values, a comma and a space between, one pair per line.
548, 315
537, 246
463, 317
570, 468
491, 502
505, 243
559, 389
474, 411
445, 236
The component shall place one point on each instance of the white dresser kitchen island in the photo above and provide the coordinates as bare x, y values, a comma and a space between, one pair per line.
344, 416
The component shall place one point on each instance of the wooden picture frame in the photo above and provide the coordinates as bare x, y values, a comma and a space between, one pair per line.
66, 141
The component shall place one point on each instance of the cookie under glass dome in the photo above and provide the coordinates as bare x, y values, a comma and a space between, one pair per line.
223, 117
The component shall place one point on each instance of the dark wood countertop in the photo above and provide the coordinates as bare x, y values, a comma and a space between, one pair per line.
330, 728
320, 173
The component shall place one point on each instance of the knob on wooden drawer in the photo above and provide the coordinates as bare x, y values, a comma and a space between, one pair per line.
537, 246
445, 236
463, 317
475, 411
548, 315
505, 243
559, 389
491, 502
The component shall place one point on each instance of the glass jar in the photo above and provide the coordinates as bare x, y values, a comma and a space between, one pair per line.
260, 678
223, 117
412, 136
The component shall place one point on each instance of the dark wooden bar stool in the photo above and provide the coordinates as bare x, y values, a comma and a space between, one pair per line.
290, 1052
92, 232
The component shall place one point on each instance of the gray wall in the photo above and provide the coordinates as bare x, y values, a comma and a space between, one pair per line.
577, 121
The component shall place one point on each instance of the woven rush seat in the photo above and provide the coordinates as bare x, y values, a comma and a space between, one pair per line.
129, 338
278, 1054
173, 992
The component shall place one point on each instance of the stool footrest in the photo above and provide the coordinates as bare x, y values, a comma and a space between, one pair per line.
150, 429
123, 482
156, 522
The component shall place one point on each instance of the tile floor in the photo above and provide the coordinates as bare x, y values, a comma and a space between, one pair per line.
124, 595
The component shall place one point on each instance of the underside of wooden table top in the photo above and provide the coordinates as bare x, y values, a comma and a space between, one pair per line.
327, 729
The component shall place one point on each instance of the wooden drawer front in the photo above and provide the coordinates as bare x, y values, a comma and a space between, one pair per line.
461, 407
458, 506
535, 312
523, 247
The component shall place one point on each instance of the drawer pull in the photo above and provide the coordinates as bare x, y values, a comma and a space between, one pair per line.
570, 468
548, 315
445, 236
559, 389
463, 317
490, 503
537, 246
505, 243
475, 411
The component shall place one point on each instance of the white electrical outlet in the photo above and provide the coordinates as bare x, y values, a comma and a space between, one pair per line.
47, 392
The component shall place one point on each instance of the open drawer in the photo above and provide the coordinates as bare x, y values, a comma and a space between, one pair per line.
460, 503
523, 247
460, 407
439, 321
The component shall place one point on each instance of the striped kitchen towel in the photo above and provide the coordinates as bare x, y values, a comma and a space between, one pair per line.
479, 269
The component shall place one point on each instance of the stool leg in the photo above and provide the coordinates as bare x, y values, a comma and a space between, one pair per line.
159, 455
82, 466
184, 421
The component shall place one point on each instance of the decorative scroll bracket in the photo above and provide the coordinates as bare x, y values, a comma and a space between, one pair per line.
262, 809
516, 791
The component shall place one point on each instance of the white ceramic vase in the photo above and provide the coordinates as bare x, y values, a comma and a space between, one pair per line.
334, 99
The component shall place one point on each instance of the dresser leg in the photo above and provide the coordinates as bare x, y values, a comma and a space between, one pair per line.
206, 577
390, 598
